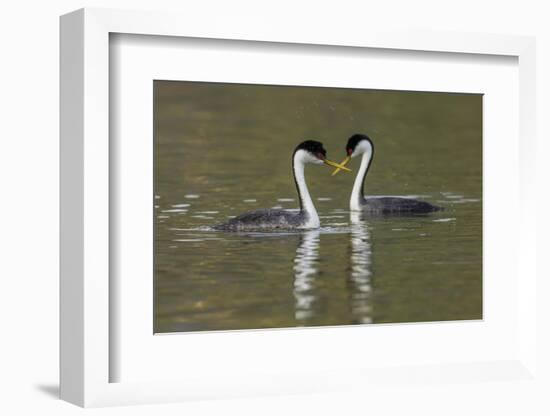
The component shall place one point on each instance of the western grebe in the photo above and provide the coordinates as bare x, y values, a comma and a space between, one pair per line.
360, 144
306, 152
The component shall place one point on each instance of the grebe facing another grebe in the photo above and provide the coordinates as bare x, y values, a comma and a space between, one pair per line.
306, 152
360, 144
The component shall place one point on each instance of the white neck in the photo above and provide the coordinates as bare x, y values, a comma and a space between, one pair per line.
357, 198
303, 193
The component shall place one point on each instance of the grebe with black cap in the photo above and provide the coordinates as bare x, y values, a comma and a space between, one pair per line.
361, 144
306, 217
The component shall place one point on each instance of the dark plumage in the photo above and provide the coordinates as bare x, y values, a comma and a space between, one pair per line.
263, 219
386, 205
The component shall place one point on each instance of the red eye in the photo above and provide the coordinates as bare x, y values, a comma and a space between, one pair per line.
350, 151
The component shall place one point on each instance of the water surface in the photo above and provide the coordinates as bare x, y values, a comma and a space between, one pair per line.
223, 149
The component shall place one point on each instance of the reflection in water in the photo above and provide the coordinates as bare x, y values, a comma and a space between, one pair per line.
360, 271
305, 271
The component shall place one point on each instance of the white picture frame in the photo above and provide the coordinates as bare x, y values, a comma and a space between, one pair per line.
86, 356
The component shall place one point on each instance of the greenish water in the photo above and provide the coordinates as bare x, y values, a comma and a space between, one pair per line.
223, 149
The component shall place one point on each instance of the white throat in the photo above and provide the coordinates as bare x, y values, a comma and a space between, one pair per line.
356, 200
301, 157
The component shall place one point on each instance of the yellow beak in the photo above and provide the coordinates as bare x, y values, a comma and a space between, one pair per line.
335, 165
342, 165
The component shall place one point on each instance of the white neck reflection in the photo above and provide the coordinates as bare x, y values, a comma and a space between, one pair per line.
305, 272
360, 274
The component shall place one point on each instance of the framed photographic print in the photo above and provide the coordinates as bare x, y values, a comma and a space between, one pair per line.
244, 214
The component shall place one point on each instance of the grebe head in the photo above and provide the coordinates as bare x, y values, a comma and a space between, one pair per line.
312, 151
357, 144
